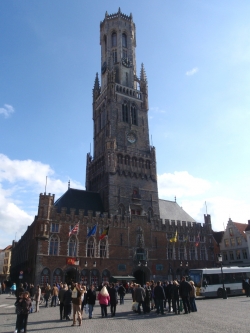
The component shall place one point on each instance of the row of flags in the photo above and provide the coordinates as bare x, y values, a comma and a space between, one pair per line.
175, 238
92, 232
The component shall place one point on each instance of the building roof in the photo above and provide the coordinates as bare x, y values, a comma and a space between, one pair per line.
170, 210
241, 227
80, 199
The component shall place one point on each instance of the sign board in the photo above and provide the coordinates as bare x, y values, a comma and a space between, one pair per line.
72, 261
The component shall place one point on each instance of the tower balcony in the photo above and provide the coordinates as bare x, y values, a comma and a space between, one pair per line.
126, 91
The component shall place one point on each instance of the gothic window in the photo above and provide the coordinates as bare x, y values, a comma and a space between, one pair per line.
134, 162
53, 246
57, 276
103, 249
105, 43
181, 253
203, 253
147, 164
127, 160
114, 55
114, 39
124, 40
134, 115
140, 254
91, 248
72, 247
192, 253
54, 227
170, 252
119, 159
125, 112
45, 277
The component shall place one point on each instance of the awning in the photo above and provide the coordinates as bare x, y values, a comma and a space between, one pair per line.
123, 278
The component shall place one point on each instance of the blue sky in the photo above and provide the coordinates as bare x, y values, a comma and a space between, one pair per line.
197, 59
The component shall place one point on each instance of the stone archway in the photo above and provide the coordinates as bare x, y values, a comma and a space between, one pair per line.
70, 276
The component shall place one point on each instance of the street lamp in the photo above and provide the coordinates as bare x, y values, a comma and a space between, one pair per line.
224, 291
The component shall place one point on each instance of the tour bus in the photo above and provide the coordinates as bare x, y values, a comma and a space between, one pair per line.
210, 283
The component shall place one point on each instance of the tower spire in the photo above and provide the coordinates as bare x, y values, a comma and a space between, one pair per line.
96, 89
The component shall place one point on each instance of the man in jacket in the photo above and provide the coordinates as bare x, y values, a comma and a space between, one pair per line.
121, 292
90, 299
77, 301
54, 293
140, 295
184, 291
159, 295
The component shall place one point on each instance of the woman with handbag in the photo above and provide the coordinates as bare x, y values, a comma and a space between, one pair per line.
113, 299
104, 299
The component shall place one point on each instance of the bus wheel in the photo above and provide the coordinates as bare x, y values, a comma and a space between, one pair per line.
220, 293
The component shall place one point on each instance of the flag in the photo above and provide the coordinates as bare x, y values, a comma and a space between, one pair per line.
174, 239
92, 231
74, 230
104, 233
197, 239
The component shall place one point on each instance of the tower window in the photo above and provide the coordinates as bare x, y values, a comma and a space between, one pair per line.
124, 40
134, 115
114, 54
114, 39
125, 113
105, 44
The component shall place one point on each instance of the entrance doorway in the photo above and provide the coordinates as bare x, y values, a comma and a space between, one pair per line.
70, 276
140, 277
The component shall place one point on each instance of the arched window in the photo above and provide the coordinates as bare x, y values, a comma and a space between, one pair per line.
124, 40
91, 248
125, 112
134, 115
45, 277
114, 39
72, 247
57, 276
103, 249
53, 246
192, 253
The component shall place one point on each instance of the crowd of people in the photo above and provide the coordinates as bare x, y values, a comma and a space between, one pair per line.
74, 299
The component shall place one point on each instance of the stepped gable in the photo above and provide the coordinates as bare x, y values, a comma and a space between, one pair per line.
170, 210
80, 199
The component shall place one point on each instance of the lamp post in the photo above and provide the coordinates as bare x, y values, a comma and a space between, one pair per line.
224, 291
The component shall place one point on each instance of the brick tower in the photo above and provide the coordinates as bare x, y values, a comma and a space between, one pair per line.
123, 166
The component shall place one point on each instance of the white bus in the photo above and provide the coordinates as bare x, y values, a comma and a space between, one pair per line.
209, 280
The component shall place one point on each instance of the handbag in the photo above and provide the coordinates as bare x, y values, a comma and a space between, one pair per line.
134, 306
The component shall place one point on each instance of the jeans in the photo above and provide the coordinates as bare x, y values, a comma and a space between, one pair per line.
159, 305
62, 311
91, 308
193, 304
113, 309
176, 305
186, 304
121, 299
53, 301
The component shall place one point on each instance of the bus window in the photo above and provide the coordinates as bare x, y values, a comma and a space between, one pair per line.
196, 277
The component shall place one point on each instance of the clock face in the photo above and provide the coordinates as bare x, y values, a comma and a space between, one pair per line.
131, 137
126, 62
104, 67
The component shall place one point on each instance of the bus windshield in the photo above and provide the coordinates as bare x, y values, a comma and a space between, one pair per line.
196, 276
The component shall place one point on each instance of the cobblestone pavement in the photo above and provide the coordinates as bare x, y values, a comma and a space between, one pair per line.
214, 315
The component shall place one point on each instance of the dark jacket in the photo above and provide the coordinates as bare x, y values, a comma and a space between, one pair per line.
113, 296
67, 297
148, 294
184, 289
121, 290
175, 291
91, 297
168, 290
159, 293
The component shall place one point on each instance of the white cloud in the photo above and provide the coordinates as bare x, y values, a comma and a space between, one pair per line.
7, 110
21, 182
192, 71
181, 184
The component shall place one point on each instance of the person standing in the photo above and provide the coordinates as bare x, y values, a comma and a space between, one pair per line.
23, 306
67, 301
192, 297
184, 290
54, 292
175, 297
246, 287
47, 295
147, 297
61, 304
159, 297
121, 292
76, 301
113, 299
104, 299
90, 299
37, 297
139, 298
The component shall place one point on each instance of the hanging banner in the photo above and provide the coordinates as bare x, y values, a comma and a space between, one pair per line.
70, 261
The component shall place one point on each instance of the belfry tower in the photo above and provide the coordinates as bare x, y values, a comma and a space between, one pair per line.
123, 166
